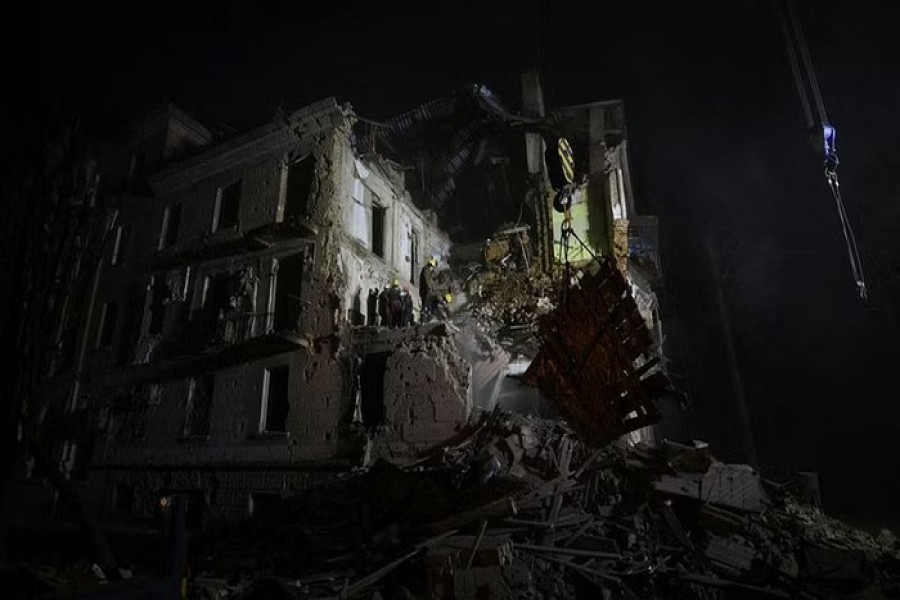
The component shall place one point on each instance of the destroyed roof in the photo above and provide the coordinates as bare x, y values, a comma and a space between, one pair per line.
443, 141
277, 133
472, 98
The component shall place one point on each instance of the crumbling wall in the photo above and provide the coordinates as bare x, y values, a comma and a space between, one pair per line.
363, 182
322, 401
488, 364
620, 245
323, 289
234, 460
363, 272
320, 408
426, 395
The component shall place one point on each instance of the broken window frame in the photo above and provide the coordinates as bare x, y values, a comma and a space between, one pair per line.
227, 205
106, 326
291, 205
414, 255
198, 415
132, 322
360, 215
214, 307
281, 317
371, 381
157, 293
204, 291
68, 456
171, 222
378, 236
137, 163
149, 394
266, 405
120, 245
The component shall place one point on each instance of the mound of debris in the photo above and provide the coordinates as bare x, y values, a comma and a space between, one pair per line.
511, 299
519, 507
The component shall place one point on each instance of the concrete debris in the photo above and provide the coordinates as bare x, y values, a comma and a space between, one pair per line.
556, 519
734, 486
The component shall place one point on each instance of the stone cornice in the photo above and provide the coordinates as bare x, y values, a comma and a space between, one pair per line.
170, 114
271, 137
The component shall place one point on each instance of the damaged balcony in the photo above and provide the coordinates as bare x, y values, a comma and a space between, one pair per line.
225, 326
214, 357
275, 237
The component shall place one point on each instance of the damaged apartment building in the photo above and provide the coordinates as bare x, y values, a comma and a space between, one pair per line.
215, 363
230, 350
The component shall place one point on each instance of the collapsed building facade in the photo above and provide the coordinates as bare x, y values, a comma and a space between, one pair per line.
232, 351
216, 350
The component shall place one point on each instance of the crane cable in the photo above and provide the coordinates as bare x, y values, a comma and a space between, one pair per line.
828, 131
795, 69
807, 63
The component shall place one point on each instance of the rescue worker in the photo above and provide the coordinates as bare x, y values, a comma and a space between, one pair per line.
383, 311
442, 306
372, 307
407, 307
426, 288
395, 304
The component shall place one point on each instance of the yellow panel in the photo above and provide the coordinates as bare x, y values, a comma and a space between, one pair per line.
580, 225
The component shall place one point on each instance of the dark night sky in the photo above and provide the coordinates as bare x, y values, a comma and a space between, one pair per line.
717, 140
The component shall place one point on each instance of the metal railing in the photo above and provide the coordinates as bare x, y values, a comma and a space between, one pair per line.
240, 327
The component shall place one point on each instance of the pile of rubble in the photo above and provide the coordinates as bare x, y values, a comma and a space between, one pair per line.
511, 299
518, 507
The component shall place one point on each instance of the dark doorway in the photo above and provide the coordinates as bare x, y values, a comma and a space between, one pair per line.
158, 295
229, 207
263, 503
173, 222
287, 292
195, 508
199, 407
299, 182
356, 316
108, 324
134, 304
215, 300
371, 381
277, 404
195, 516
414, 257
378, 222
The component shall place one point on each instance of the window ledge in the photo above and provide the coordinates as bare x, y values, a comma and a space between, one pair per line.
270, 436
225, 233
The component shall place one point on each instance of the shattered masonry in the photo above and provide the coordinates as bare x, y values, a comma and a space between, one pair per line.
518, 507
236, 352
230, 346
234, 370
